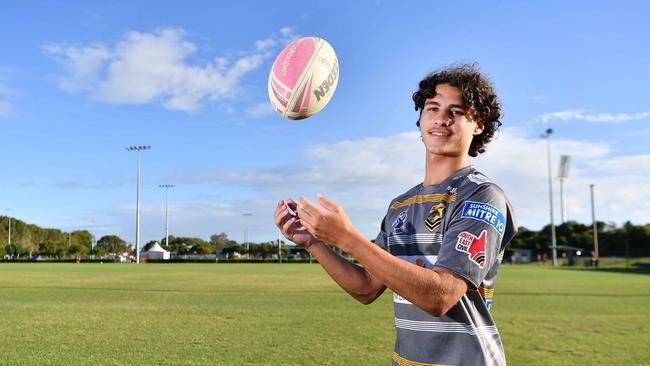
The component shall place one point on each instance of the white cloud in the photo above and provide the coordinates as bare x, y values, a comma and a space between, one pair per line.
643, 133
582, 115
83, 65
260, 110
364, 175
155, 67
621, 165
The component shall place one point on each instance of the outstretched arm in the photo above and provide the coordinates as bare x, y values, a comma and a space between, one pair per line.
354, 279
434, 291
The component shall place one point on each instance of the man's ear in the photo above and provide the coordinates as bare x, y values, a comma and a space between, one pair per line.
478, 128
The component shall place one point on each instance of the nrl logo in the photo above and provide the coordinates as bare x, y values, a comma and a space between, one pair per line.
398, 225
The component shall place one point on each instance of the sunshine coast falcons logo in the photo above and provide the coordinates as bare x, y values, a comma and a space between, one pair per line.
435, 217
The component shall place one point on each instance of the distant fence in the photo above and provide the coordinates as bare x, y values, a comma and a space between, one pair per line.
57, 260
175, 260
233, 260
604, 262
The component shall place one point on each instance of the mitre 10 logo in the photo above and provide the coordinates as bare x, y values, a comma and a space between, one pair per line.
473, 246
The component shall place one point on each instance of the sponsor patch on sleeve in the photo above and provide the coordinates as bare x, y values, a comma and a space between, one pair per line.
478, 178
474, 246
487, 213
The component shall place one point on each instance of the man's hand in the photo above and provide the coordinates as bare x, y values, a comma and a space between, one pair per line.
328, 223
291, 226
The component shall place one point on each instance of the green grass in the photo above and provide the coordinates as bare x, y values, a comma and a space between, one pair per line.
293, 314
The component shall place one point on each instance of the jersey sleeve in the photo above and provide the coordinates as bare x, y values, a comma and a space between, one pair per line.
382, 238
474, 234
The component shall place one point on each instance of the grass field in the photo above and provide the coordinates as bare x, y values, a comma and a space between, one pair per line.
293, 314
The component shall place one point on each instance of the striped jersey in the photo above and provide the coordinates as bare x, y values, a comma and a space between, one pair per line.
462, 225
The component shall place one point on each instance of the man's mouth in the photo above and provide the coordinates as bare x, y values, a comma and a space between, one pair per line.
440, 133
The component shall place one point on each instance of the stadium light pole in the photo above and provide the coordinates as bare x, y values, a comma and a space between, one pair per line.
247, 215
593, 219
92, 236
565, 162
280, 245
167, 187
547, 135
137, 203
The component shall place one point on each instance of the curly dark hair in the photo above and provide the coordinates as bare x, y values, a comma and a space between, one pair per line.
478, 95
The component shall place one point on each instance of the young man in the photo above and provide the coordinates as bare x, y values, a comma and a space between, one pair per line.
440, 243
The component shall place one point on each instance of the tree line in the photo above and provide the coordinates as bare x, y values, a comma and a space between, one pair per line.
219, 243
627, 240
28, 240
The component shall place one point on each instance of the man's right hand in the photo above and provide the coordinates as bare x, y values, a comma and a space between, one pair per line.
290, 225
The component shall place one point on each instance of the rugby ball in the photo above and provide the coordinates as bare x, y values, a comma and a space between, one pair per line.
303, 78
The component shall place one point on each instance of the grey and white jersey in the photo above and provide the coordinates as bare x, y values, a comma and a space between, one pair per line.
462, 225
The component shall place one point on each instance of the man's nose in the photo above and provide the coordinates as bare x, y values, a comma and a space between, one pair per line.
443, 120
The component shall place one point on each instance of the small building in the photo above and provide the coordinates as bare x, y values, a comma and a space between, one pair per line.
155, 252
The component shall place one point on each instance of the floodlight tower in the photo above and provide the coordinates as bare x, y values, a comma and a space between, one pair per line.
280, 245
595, 223
167, 187
565, 162
547, 135
137, 204
92, 236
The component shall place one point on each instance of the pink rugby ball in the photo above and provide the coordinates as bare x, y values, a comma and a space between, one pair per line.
303, 78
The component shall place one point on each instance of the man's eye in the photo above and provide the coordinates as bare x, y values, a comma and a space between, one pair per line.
457, 113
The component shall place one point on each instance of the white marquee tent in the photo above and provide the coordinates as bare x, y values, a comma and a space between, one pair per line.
155, 252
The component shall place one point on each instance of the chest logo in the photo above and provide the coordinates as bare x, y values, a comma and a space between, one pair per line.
473, 246
434, 218
398, 225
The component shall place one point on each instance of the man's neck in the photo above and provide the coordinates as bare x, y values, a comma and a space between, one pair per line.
438, 168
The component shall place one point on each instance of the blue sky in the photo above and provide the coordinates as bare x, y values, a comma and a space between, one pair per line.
80, 81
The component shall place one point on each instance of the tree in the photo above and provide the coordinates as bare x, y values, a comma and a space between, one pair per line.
48, 247
220, 241
15, 250
26, 239
76, 250
202, 249
99, 251
230, 250
82, 237
263, 250
113, 244
182, 245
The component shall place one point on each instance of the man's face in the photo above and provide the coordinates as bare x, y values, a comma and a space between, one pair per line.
445, 127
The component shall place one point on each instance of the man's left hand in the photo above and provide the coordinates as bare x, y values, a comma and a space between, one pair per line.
328, 223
